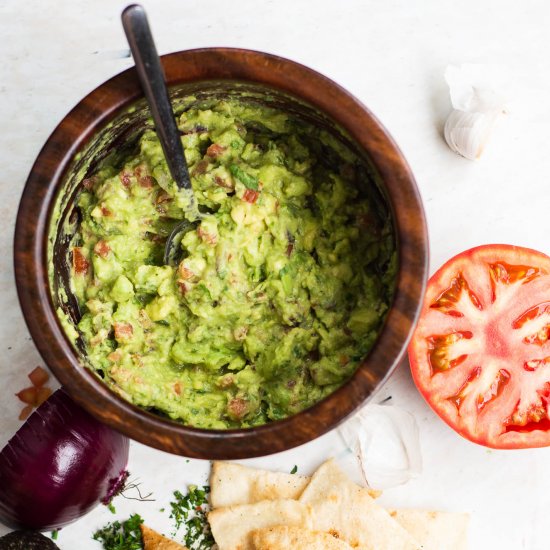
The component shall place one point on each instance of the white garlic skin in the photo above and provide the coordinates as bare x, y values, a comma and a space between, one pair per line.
467, 133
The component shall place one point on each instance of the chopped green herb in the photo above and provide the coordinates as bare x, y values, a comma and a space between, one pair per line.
190, 512
250, 181
294, 470
111, 508
55, 533
121, 536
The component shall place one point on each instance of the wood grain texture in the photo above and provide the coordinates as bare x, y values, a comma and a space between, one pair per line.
195, 69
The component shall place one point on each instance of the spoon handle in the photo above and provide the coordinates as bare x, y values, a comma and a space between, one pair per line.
151, 76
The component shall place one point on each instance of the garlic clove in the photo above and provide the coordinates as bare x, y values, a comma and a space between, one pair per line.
385, 440
468, 133
477, 103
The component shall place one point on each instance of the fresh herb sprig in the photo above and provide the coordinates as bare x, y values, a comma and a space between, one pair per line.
190, 512
250, 181
124, 535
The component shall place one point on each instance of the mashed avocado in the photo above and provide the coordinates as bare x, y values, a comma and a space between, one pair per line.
284, 284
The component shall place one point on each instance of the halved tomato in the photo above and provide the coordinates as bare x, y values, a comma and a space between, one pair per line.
480, 354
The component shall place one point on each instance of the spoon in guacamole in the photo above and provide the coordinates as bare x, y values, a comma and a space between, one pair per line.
151, 76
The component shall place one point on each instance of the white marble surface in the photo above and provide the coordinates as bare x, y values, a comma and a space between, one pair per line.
392, 55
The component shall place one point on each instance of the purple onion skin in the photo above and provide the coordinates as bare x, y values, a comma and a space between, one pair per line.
58, 466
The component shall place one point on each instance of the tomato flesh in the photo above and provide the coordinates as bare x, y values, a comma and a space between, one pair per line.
480, 354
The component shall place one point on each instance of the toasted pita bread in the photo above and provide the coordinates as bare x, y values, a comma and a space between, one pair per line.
435, 530
232, 484
343, 508
283, 537
155, 541
232, 526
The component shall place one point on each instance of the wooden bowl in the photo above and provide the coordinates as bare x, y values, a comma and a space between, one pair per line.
57, 174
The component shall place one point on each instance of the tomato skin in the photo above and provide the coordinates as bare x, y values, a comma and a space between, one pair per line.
474, 356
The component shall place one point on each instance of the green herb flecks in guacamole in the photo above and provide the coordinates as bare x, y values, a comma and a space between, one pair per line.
284, 284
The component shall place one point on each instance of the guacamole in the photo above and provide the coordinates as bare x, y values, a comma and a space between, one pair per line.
284, 282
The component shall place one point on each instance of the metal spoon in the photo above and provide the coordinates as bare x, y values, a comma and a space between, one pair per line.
151, 76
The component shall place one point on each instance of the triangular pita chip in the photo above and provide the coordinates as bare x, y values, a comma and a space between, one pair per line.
235, 484
155, 541
231, 526
283, 537
345, 509
435, 530
232, 484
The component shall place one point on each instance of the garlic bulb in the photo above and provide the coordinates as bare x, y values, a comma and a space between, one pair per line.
477, 107
386, 442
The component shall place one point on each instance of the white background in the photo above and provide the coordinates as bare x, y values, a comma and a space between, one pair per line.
392, 55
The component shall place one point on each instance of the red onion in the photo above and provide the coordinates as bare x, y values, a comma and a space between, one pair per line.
59, 465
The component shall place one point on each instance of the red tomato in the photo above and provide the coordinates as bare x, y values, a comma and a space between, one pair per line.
251, 196
80, 263
102, 249
215, 150
480, 354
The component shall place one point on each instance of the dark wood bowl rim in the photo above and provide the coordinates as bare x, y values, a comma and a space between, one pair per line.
31, 270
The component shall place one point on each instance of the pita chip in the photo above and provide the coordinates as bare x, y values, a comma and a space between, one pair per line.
283, 537
232, 484
233, 525
435, 530
155, 541
341, 507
